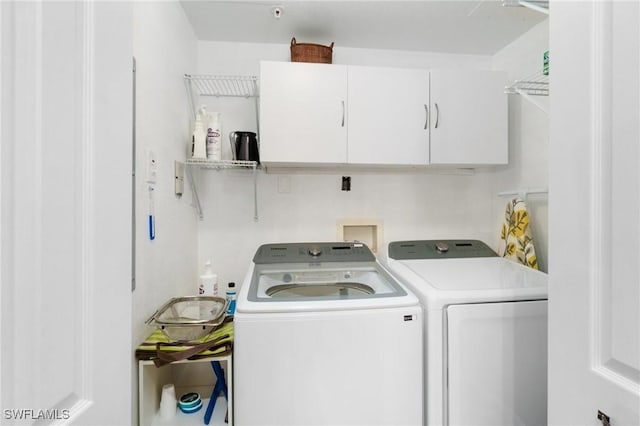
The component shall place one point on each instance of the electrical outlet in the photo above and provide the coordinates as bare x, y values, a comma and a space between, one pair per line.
346, 183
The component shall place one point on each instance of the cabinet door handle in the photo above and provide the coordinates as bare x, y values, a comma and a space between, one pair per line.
426, 118
437, 115
342, 114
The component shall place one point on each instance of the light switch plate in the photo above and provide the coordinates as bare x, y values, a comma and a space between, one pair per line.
179, 177
152, 166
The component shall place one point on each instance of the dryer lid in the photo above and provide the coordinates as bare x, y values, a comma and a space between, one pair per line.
476, 274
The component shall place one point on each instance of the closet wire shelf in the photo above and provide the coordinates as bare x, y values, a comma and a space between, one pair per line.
222, 164
219, 165
235, 86
536, 85
224, 85
541, 6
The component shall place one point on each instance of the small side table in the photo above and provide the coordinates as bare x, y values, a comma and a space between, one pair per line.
152, 378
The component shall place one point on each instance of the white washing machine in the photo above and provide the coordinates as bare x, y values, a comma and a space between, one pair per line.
325, 336
485, 332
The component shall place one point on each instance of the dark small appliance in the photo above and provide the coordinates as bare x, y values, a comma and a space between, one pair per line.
244, 146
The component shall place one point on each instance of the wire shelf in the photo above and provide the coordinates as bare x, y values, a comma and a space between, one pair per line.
541, 6
536, 85
224, 85
222, 164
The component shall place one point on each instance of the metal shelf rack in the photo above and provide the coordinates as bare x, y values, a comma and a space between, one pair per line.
541, 6
534, 85
222, 86
235, 86
222, 164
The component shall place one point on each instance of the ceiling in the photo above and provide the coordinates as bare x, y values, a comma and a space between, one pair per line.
480, 27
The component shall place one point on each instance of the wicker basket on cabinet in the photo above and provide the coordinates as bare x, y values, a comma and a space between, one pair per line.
310, 52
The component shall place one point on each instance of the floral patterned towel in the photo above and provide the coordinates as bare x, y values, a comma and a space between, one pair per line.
516, 242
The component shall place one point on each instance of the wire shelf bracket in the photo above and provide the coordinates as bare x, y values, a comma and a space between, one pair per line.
540, 6
529, 87
222, 165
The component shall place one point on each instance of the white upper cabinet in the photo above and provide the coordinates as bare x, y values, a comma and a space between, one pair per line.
303, 113
388, 116
469, 117
319, 114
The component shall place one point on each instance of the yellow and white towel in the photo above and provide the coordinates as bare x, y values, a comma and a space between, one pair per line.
516, 242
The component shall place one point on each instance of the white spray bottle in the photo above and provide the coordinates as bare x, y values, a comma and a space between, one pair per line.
199, 137
214, 137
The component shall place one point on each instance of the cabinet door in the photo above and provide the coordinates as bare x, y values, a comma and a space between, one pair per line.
303, 113
469, 117
388, 116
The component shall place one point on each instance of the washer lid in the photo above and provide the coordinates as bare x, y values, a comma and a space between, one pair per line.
475, 274
297, 282
297, 287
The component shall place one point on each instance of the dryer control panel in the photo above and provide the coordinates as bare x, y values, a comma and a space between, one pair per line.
439, 249
313, 252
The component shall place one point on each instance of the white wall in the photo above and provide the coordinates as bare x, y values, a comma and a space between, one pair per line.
528, 136
411, 205
164, 48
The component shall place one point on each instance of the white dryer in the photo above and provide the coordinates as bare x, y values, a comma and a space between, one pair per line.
324, 335
485, 332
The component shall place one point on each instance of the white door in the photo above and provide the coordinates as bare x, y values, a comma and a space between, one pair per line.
594, 214
388, 116
303, 113
469, 117
65, 164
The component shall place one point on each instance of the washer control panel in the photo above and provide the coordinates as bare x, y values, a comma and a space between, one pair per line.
313, 252
439, 249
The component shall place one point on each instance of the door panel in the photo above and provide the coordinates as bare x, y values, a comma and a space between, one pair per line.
388, 116
303, 113
469, 117
66, 218
595, 213
620, 301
